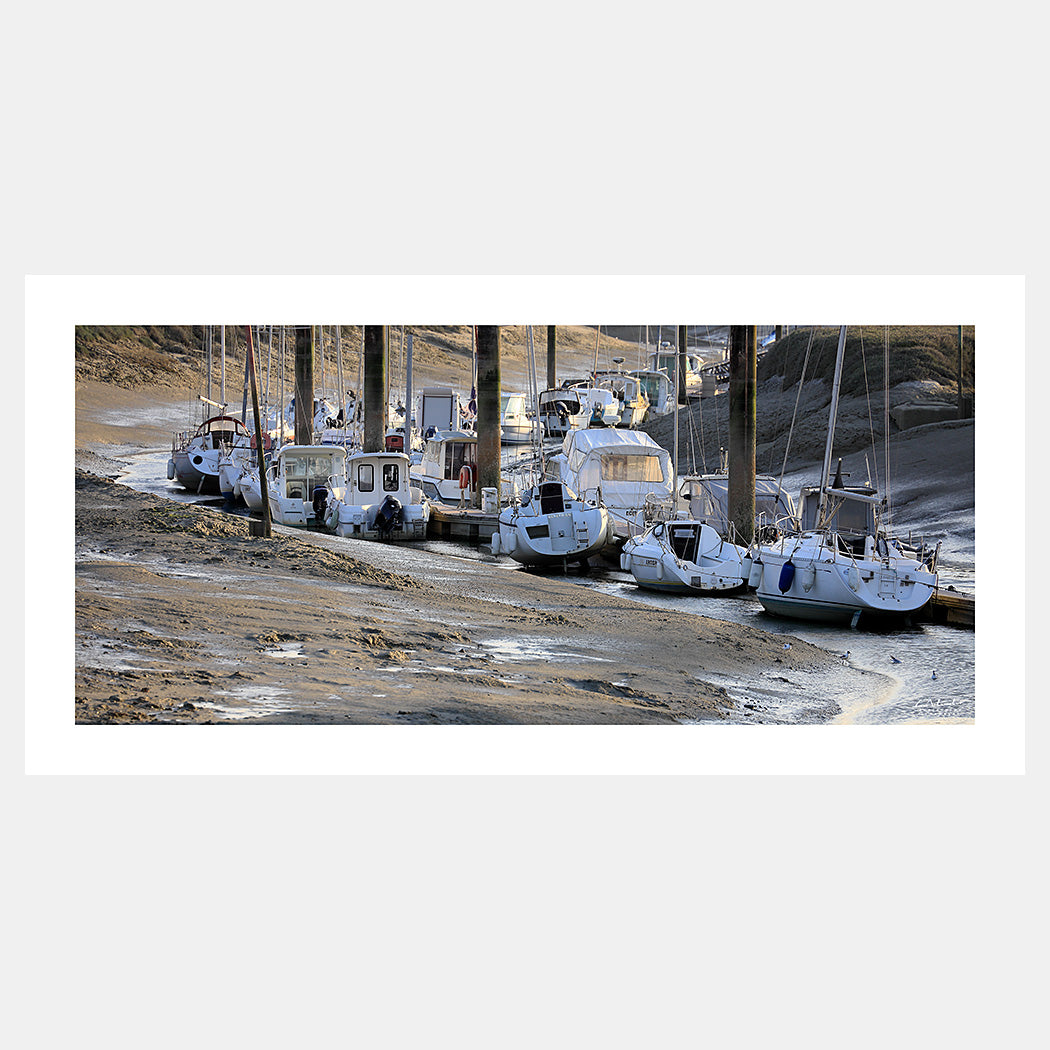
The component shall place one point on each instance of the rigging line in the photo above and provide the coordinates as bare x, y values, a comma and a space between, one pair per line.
794, 414
867, 395
886, 414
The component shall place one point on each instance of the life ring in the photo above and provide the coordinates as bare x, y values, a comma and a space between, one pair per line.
266, 441
466, 477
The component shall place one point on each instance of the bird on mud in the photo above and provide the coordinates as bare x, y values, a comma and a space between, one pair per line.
894, 660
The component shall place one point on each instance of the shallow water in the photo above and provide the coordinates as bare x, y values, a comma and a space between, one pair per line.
933, 666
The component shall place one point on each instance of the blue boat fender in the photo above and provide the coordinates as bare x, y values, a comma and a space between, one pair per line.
787, 576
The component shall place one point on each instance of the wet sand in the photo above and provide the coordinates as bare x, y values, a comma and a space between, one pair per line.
181, 616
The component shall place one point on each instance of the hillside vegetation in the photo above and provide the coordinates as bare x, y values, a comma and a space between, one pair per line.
917, 353
174, 355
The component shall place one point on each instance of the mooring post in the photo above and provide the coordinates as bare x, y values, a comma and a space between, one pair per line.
258, 528
959, 374
304, 384
683, 394
488, 340
375, 388
408, 394
552, 357
743, 374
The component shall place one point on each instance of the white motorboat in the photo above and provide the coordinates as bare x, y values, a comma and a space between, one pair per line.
658, 389
448, 468
842, 565
627, 389
516, 426
602, 406
685, 556
376, 500
697, 382
550, 524
561, 411
299, 479
194, 460
625, 470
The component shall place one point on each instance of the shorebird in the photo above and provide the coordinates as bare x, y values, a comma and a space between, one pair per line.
845, 655
894, 660
787, 645
934, 675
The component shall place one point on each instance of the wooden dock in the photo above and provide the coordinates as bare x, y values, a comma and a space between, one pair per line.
950, 607
451, 523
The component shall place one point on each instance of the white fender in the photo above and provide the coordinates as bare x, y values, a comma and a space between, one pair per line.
495, 542
807, 576
853, 578
171, 469
754, 577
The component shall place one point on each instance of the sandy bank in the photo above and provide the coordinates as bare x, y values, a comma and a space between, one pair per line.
182, 617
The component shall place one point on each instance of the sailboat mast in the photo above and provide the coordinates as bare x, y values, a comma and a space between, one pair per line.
824, 477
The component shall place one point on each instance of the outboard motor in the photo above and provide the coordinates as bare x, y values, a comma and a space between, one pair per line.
320, 502
390, 513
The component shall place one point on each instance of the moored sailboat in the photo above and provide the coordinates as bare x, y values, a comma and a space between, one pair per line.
842, 565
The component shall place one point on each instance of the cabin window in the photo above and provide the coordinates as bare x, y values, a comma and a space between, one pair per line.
366, 479
391, 477
631, 468
456, 454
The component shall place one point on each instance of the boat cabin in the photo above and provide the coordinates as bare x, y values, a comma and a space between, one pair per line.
218, 431
444, 457
851, 512
438, 409
560, 411
707, 499
298, 471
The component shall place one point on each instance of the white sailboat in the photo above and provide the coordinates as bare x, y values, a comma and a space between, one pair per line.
685, 556
845, 567
551, 525
680, 553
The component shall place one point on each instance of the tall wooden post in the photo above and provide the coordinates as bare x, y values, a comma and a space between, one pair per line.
552, 357
258, 528
743, 371
683, 394
304, 384
408, 394
376, 339
488, 407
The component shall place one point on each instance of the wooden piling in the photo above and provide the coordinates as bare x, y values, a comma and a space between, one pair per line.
376, 338
488, 422
683, 394
304, 384
552, 357
258, 528
743, 384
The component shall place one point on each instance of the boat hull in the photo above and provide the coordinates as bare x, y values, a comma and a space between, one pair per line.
834, 589
196, 472
551, 527
685, 557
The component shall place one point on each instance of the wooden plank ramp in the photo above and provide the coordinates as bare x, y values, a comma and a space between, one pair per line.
950, 607
451, 523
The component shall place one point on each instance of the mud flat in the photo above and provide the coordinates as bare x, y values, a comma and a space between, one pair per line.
181, 617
